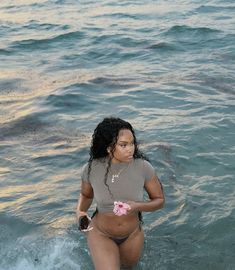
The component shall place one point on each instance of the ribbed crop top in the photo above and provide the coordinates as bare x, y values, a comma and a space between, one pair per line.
128, 186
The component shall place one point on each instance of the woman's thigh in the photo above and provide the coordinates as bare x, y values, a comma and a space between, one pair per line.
131, 249
104, 252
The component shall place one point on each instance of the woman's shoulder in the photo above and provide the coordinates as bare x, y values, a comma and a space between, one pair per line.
93, 166
144, 165
142, 161
96, 163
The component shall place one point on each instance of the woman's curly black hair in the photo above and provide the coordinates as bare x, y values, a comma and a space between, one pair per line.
105, 136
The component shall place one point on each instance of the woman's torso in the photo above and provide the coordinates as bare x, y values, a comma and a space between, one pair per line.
127, 186
116, 226
123, 182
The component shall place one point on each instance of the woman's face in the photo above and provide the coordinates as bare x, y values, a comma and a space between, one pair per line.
124, 148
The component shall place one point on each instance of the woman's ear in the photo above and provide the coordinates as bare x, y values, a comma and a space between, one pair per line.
109, 149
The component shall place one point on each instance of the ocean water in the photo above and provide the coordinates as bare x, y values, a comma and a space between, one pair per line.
165, 66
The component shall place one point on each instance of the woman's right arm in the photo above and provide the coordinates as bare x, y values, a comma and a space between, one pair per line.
85, 199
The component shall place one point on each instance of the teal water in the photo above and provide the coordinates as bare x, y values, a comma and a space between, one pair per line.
165, 66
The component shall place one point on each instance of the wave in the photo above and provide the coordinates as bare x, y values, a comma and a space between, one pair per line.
115, 83
22, 126
25, 245
216, 9
11, 226
34, 44
21, 6
187, 38
5, 52
119, 39
185, 30
71, 101
121, 15
34, 252
34, 25
165, 46
11, 85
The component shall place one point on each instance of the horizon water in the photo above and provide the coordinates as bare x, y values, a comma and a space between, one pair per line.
167, 67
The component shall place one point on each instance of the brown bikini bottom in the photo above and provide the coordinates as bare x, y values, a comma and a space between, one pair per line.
120, 240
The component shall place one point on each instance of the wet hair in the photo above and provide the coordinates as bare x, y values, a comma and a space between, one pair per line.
105, 136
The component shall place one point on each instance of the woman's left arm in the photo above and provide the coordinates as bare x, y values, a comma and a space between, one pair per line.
156, 197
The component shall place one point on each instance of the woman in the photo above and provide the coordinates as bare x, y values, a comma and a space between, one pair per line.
116, 175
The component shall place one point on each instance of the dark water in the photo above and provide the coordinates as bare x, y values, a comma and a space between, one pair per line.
165, 66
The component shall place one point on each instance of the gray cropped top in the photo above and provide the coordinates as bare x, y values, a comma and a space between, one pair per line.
125, 181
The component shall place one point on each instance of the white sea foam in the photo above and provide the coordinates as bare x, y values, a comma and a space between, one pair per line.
56, 253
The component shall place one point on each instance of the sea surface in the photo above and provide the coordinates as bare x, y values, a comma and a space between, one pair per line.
168, 67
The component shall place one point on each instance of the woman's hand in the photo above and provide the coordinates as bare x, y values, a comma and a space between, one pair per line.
83, 221
80, 214
134, 207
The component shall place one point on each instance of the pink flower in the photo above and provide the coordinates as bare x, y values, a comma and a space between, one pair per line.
120, 208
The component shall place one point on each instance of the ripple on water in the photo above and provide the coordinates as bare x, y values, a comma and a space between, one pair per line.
169, 71
43, 44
